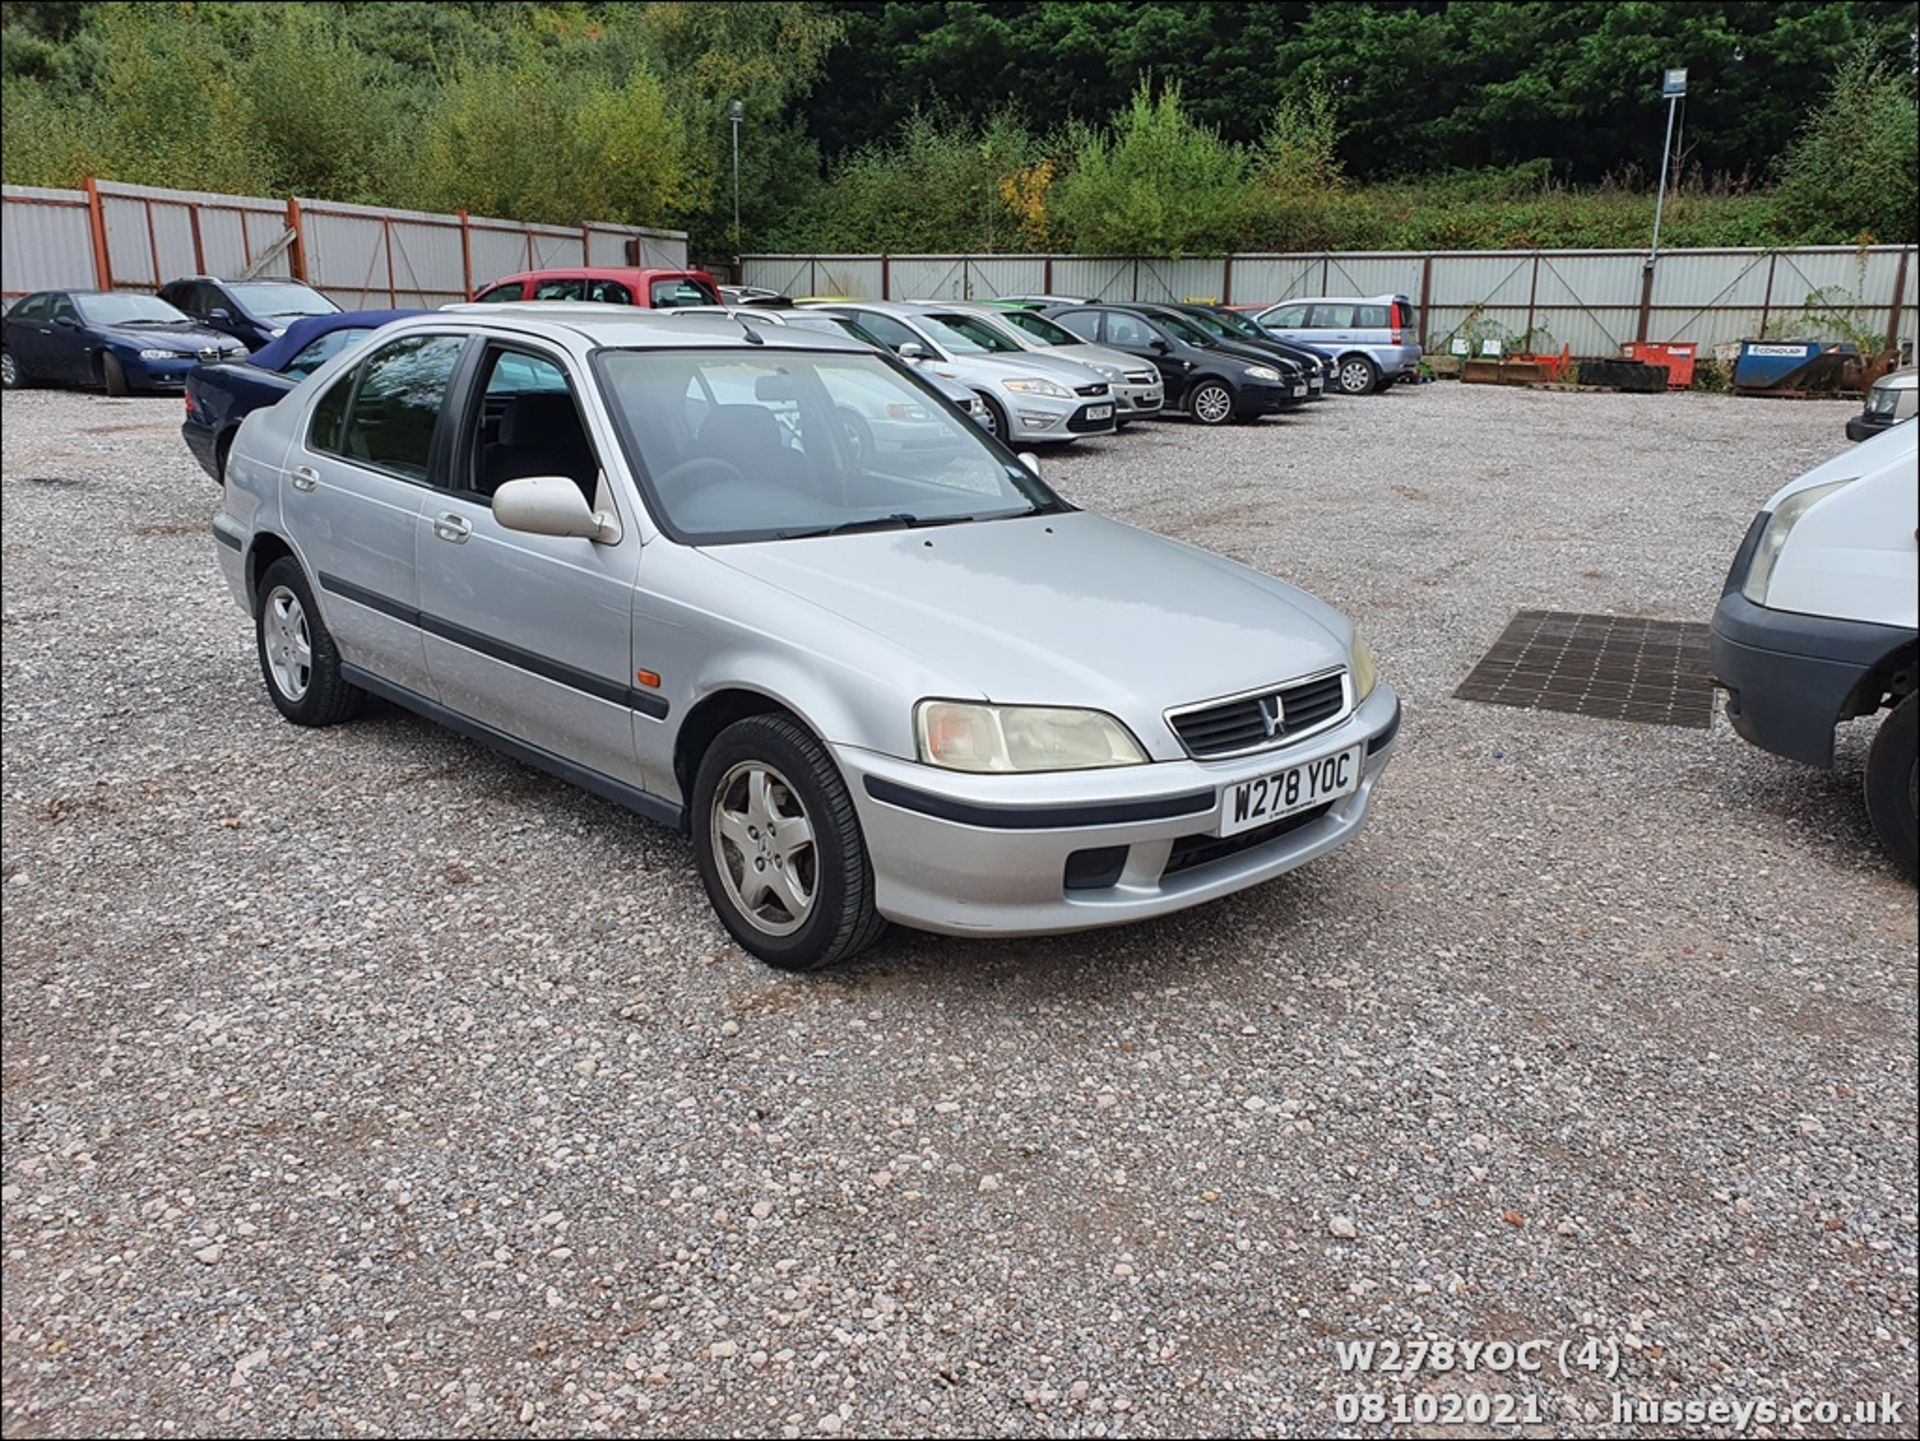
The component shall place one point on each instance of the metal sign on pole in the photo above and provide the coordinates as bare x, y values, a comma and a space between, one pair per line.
1673, 85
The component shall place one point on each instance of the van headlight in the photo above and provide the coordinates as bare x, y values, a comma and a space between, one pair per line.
1034, 385
1263, 372
1773, 539
1365, 675
963, 736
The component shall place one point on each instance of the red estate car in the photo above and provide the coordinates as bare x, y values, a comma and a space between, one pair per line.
609, 284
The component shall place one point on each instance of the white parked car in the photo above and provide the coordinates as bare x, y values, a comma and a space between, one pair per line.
1818, 623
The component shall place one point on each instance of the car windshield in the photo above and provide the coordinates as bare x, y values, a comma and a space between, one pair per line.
1209, 323
765, 444
277, 301
835, 325
967, 335
1046, 331
126, 307
1232, 323
1183, 329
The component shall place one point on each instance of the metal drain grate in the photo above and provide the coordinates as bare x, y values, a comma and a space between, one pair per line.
1615, 667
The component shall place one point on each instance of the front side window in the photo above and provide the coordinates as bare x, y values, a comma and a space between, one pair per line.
317, 353
974, 335
396, 405
745, 446
526, 425
681, 292
1294, 317
1084, 323
889, 332
571, 288
125, 307
1124, 329
1183, 329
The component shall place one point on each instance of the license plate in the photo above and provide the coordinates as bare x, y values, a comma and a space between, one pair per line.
1317, 383
1299, 390
1099, 412
1267, 798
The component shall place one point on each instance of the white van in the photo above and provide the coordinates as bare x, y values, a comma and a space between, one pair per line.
1818, 621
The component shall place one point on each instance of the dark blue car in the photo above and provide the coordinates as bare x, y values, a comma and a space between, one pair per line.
120, 339
254, 312
221, 395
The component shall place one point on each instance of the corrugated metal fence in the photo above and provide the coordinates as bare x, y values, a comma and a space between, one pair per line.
114, 236
1591, 300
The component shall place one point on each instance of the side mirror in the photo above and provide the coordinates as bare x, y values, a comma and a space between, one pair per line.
66, 322
1158, 344
911, 350
552, 505
220, 313
1031, 462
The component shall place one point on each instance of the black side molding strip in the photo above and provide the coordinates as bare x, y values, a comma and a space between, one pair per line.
647, 702
653, 807
1378, 743
231, 542
1039, 818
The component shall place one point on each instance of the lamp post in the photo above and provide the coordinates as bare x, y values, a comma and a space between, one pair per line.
1673, 85
734, 111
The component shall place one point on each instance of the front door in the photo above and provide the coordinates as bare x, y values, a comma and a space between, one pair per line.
531, 635
352, 490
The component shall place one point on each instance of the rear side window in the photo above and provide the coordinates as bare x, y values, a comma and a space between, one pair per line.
1085, 324
609, 292
328, 414
1333, 317
1370, 317
396, 406
672, 294
34, 307
572, 288
318, 352
1294, 317
499, 294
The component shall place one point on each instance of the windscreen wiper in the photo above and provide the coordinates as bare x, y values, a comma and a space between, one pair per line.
899, 520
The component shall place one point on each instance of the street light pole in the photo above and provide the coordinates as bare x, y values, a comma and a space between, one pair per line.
734, 111
1673, 85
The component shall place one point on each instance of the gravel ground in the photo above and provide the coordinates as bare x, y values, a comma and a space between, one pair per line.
365, 1081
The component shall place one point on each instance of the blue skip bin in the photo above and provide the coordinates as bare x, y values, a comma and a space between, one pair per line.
1776, 366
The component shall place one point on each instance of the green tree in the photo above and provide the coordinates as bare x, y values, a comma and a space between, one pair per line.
1850, 174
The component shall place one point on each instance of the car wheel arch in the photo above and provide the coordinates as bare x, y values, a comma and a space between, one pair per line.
262, 551
712, 714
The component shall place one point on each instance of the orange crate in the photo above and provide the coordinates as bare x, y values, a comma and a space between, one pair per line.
1677, 355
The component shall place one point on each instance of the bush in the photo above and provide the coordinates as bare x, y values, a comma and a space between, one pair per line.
1850, 175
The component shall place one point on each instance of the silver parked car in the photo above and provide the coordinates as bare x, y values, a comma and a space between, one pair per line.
1371, 338
914, 686
1138, 392
1031, 398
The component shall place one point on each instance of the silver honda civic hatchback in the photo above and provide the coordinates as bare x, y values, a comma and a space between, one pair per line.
903, 684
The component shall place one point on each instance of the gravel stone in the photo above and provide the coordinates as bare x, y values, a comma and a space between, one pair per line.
374, 1013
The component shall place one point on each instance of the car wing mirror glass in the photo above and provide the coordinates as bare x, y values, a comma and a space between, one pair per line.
911, 350
66, 322
552, 505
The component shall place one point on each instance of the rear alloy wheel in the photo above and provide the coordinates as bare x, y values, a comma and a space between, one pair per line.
10, 376
113, 375
1211, 403
779, 848
1893, 785
1358, 376
297, 654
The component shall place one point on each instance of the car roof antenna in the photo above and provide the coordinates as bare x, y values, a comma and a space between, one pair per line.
753, 336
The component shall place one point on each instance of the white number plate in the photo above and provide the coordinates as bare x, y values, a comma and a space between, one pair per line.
1299, 390
1099, 412
1267, 798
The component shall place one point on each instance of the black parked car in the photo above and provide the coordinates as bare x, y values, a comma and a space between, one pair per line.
1211, 380
1230, 325
120, 339
253, 312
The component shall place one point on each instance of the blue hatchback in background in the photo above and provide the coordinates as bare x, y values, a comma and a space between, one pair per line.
122, 340
221, 395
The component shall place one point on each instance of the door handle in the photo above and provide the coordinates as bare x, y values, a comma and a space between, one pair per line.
305, 477
451, 527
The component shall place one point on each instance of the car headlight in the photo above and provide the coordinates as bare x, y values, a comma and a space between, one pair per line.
162, 355
1033, 385
1365, 675
964, 736
1773, 539
1263, 372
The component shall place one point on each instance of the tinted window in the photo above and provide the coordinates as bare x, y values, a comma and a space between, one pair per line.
499, 294
969, 334
1294, 317
671, 294
34, 307
1084, 324
324, 433
1370, 317
397, 405
567, 289
1123, 329
318, 352
61, 307
1184, 329
1047, 332
609, 292
888, 331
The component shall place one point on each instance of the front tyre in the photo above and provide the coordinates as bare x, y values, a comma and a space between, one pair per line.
1893, 784
779, 848
113, 375
1210, 403
297, 655
998, 426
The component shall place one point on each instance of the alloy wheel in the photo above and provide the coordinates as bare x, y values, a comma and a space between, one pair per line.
1212, 404
1356, 377
763, 848
9, 371
283, 631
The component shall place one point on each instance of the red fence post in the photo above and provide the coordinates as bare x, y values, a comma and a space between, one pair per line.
199, 252
297, 251
153, 245
97, 223
393, 296
466, 255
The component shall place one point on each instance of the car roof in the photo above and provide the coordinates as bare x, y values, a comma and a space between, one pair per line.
627, 327
1900, 379
1337, 300
599, 272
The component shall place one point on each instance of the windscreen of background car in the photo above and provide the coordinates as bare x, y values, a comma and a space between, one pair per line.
968, 335
674, 294
127, 308
735, 445
1182, 329
277, 301
1045, 331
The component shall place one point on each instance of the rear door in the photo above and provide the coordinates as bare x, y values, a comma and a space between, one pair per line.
67, 352
30, 335
1333, 322
354, 487
531, 635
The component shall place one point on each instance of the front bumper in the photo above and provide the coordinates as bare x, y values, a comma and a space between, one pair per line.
1866, 425
1260, 397
1046, 417
971, 854
1137, 402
